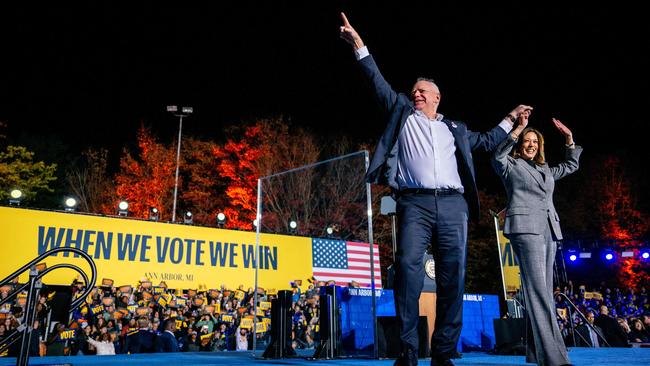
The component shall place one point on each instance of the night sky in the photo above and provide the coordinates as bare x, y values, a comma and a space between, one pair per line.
89, 74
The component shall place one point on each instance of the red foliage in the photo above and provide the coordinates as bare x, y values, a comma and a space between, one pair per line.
237, 165
147, 181
621, 221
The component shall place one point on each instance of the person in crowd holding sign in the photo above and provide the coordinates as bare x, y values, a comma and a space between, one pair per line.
242, 339
104, 346
533, 226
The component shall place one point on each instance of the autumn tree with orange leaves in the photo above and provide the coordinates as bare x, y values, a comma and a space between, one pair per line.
147, 180
236, 164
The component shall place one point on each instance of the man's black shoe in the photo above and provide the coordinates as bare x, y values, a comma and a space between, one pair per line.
408, 358
441, 362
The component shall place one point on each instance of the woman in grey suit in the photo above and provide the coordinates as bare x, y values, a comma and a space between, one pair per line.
533, 227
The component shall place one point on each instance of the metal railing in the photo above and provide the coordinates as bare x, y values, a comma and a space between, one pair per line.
584, 320
33, 288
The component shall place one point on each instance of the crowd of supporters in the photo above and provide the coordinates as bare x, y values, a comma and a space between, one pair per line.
621, 317
146, 318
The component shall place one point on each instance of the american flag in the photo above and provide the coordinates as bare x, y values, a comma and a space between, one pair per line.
344, 262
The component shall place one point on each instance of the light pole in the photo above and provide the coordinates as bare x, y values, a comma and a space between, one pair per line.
185, 112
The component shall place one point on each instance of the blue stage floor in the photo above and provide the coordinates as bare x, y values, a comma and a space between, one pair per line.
579, 356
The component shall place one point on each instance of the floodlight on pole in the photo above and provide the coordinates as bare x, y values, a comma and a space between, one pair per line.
15, 197
70, 204
293, 226
221, 219
185, 112
123, 208
154, 214
188, 218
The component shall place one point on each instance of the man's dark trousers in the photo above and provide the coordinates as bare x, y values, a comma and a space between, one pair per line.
441, 221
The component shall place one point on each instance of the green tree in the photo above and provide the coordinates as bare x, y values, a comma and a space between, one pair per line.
18, 170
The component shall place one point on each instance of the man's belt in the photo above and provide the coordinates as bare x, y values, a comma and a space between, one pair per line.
429, 191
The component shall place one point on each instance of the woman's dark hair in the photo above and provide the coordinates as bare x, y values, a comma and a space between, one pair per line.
539, 158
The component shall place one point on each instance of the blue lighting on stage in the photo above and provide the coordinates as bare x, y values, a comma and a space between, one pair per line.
609, 255
645, 254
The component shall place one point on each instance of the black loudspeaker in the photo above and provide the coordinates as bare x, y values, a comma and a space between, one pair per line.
330, 323
280, 345
510, 334
389, 341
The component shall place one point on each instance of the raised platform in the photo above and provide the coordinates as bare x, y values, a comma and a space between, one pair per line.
579, 356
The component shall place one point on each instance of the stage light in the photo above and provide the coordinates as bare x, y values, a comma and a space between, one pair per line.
644, 254
123, 208
70, 204
329, 230
188, 218
609, 255
293, 226
627, 254
221, 219
154, 214
15, 197
572, 255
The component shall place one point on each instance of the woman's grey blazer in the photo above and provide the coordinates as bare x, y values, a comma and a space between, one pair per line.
530, 190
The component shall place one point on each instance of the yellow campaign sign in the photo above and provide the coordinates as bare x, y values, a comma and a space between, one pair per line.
246, 323
226, 318
130, 250
509, 262
97, 309
265, 305
66, 334
260, 327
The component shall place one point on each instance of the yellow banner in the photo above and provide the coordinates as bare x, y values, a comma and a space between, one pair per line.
129, 250
509, 263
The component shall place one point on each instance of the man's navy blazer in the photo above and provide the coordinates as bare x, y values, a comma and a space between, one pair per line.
397, 107
166, 342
